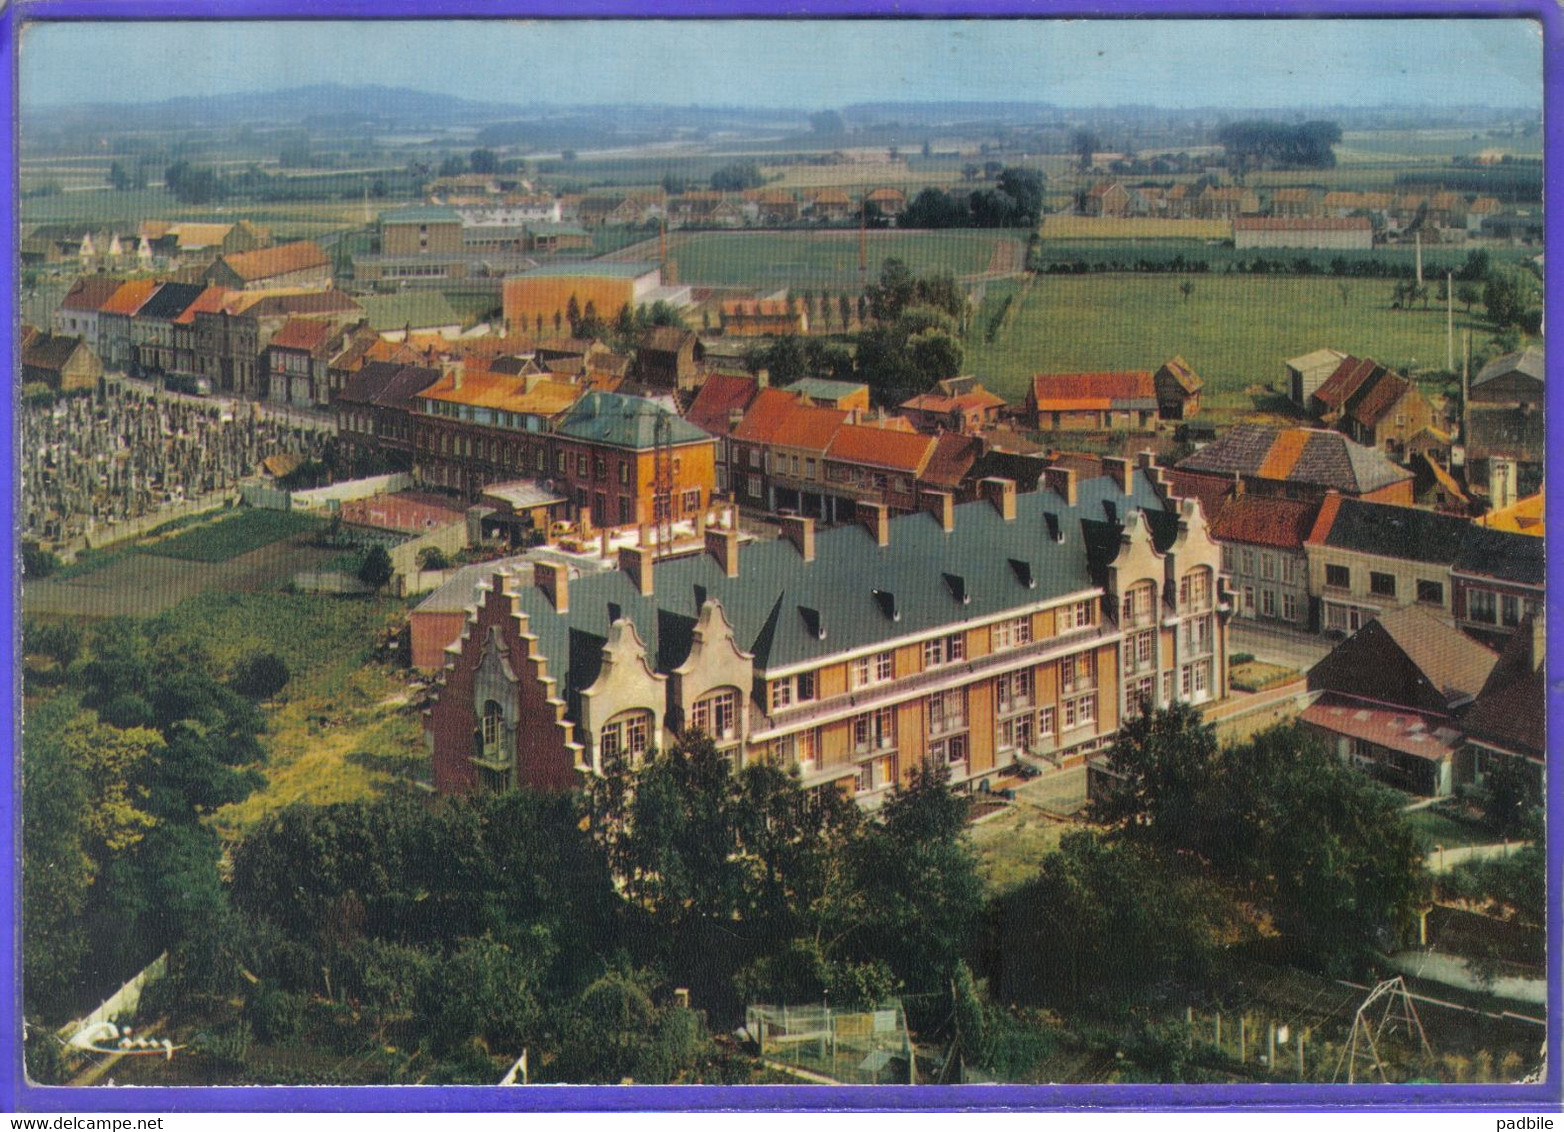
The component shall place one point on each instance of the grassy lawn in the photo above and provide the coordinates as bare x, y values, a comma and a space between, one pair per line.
341, 730
232, 535
1235, 330
1436, 829
1011, 847
825, 259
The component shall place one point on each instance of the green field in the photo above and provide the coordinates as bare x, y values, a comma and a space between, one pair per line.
825, 259
1235, 330
232, 535
288, 220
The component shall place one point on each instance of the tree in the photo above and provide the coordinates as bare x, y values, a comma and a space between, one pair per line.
453, 166
737, 177
1085, 144
1186, 288
191, 185
844, 310
970, 171
936, 354
1514, 800
895, 291
1025, 187
261, 676
1345, 291
1162, 763
1509, 295
484, 161
118, 177
1267, 144
1468, 294
376, 569
591, 326
920, 894
573, 315
828, 123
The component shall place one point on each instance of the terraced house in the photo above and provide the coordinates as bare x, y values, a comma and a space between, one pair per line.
1016, 627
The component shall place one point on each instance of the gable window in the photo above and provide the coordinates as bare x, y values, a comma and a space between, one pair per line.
628, 736
1139, 605
1382, 584
491, 729
1430, 592
717, 714
1338, 577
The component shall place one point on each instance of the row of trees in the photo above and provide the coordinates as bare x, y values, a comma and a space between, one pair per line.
1015, 202
462, 931
1264, 144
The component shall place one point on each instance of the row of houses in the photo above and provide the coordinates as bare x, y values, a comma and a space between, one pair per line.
1318, 532
1229, 202
153, 245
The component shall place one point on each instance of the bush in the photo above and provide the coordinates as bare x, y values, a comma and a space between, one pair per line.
276, 1016
433, 558
37, 562
1240, 658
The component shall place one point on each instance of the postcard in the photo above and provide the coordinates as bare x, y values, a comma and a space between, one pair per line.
812, 560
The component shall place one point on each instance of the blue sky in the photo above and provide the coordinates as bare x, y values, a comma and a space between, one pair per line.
1182, 63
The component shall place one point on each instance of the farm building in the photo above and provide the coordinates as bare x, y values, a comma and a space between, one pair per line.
300, 264
1178, 390
764, 318
1308, 372
61, 362
1372, 404
1348, 232
1090, 401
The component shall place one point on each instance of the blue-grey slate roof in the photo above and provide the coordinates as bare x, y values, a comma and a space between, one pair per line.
625, 422
779, 605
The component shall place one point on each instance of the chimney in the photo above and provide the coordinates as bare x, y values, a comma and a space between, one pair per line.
1061, 481
554, 581
1121, 472
1238, 484
724, 547
636, 562
1146, 459
700, 523
1002, 494
877, 518
606, 542
800, 531
942, 505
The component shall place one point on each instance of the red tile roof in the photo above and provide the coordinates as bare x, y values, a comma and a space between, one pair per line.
302, 334
129, 297
1382, 396
209, 301
953, 457
89, 293
1282, 523
808, 427
764, 415
284, 259
881, 448
1062, 392
718, 399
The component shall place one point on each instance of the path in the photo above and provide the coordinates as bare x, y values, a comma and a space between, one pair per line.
1451, 971
1443, 860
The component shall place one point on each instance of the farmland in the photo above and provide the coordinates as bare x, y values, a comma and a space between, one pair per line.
1235, 330
826, 259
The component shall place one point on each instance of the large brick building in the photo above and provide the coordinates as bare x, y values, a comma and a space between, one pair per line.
970, 637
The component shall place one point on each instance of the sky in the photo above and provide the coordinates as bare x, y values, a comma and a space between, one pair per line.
805, 64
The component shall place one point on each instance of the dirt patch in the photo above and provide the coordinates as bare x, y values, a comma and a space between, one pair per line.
1008, 257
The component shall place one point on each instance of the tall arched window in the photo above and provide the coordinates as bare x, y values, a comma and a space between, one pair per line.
1194, 590
717, 714
493, 726
1139, 605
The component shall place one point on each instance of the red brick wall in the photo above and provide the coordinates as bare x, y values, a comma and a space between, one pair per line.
543, 759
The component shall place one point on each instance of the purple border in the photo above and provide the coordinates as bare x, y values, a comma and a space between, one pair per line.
17, 1096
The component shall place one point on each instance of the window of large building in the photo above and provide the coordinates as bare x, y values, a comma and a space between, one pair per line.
1015, 691
876, 669
1430, 592
876, 774
1290, 607
1289, 570
1139, 604
1011, 634
1228, 559
1382, 584
1076, 615
493, 722
800, 749
1138, 696
950, 752
1078, 672
947, 711
1338, 577
944, 650
1080, 712
627, 736
795, 689
1482, 605
874, 731
717, 714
